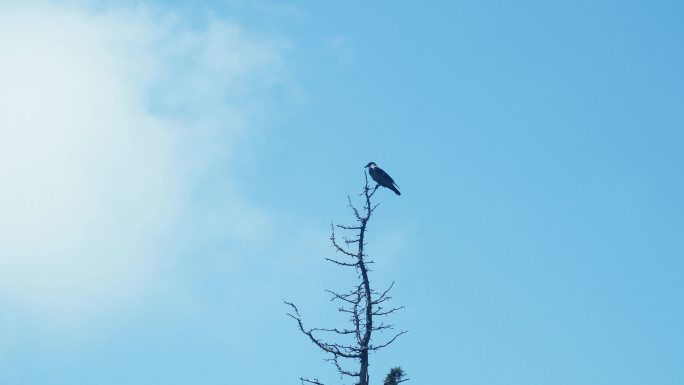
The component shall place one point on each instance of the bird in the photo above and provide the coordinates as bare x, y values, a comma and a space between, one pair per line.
381, 177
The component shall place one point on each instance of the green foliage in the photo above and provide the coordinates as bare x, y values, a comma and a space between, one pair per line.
395, 376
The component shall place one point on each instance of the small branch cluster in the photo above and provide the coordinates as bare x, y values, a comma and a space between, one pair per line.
395, 376
361, 303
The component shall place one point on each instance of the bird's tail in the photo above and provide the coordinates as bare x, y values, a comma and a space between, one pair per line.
394, 188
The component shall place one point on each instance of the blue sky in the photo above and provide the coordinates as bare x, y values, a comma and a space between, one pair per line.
170, 171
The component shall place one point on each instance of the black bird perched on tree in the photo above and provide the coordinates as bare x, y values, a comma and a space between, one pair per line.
381, 177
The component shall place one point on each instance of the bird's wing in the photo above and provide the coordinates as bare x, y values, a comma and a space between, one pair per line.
384, 175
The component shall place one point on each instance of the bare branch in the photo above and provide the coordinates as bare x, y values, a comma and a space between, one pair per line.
342, 263
343, 297
342, 371
354, 209
314, 381
348, 227
334, 349
337, 246
376, 347
383, 327
386, 312
383, 297
334, 330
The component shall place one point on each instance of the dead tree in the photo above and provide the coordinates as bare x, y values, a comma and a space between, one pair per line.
364, 306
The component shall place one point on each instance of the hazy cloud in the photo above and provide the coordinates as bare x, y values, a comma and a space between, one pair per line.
108, 118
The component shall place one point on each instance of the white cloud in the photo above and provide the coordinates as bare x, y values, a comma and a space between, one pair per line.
106, 120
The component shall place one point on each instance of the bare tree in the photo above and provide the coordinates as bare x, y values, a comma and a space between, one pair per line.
351, 346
